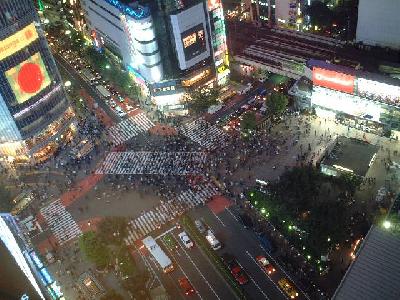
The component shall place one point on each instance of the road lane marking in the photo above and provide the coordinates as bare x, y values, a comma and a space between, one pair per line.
255, 283
164, 233
198, 270
218, 218
284, 272
180, 267
232, 214
253, 259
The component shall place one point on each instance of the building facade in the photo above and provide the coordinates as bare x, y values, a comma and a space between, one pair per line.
168, 46
27, 277
35, 116
367, 101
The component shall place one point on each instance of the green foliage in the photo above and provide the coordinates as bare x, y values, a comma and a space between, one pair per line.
112, 230
201, 100
249, 121
126, 263
137, 285
112, 295
312, 202
276, 104
95, 249
6, 204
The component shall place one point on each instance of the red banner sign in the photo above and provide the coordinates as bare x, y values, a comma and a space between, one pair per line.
333, 80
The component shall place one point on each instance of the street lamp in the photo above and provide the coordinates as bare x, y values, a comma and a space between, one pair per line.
387, 224
67, 83
107, 66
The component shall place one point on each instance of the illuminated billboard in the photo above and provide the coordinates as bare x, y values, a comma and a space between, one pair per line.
333, 80
28, 78
194, 41
18, 41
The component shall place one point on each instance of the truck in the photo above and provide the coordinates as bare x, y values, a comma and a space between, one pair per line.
212, 240
103, 91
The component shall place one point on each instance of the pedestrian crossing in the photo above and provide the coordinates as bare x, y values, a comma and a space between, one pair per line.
60, 222
165, 212
205, 134
153, 163
129, 128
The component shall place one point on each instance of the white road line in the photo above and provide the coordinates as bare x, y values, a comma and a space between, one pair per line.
218, 218
255, 283
232, 214
253, 259
170, 252
198, 270
164, 233
284, 272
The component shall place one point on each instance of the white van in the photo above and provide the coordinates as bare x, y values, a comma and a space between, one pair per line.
212, 240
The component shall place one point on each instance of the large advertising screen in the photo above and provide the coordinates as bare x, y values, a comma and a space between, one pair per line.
28, 78
194, 41
333, 80
18, 41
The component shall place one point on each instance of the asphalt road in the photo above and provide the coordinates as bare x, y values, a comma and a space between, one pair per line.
194, 265
77, 79
243, 244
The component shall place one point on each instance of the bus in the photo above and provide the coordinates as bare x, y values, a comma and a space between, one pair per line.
88, 75
159, 255
103, 91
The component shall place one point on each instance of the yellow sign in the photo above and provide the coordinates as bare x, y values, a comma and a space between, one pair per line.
18, 41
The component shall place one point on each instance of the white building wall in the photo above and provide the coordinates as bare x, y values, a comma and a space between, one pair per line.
129, 36
378, 23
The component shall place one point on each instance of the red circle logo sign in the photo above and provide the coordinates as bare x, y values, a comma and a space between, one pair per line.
30, 78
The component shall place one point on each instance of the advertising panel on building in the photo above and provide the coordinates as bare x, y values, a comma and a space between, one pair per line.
190, 36
28, 78
333, 80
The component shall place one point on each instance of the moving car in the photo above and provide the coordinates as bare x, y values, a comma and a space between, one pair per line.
236, 270
265, 264
288, 288
186, 241
186, 286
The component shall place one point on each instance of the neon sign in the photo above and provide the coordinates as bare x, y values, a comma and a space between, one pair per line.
333, 80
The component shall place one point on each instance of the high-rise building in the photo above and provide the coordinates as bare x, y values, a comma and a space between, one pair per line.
378, 23
275, 12
35, 116
169, 46
23, 275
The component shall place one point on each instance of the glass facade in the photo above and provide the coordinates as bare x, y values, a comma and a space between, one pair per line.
32, 98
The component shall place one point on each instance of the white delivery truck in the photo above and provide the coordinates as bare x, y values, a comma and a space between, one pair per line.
212, 240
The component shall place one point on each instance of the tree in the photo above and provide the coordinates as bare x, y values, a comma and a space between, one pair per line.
200, 100
95, 249
6, 204
112, 295
113, 229
249, 122
276, 104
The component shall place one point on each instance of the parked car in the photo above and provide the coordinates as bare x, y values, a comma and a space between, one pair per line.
186, 241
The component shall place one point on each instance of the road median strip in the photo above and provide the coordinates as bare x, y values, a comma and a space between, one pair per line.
189, 226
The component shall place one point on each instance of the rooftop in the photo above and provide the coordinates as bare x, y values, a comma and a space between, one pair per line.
351, 154
375, 272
